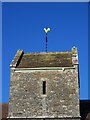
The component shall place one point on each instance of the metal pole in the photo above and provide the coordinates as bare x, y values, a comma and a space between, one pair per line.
46, 31
46, 42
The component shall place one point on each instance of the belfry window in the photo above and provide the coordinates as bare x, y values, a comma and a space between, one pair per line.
44, 87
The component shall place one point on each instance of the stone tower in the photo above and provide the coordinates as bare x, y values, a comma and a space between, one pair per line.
44, 85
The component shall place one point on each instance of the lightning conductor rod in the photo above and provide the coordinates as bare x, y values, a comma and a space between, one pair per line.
46, 31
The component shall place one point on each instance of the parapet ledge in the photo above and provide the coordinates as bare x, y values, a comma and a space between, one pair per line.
17, 58
75, 56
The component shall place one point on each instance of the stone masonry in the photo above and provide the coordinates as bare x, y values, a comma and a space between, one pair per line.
59, 72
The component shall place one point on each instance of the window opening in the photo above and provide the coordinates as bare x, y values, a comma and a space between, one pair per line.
44, 87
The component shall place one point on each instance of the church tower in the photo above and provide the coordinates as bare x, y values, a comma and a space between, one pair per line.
44, 85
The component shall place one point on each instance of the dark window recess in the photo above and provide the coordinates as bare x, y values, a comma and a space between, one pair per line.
44, 87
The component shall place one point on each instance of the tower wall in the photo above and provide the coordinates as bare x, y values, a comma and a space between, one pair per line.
61, 98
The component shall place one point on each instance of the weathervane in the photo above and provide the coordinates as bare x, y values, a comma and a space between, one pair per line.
46, 31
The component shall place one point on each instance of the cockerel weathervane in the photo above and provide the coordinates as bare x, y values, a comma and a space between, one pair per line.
46, 31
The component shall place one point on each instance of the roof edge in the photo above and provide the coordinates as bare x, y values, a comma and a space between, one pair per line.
56, 52
17, 58
42, 68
